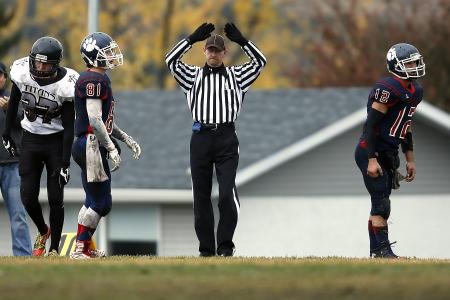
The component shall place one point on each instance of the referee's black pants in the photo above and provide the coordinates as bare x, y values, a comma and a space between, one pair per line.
219, 148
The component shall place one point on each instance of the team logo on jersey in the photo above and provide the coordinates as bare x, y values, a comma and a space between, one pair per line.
89, 44
73, 78
392, 54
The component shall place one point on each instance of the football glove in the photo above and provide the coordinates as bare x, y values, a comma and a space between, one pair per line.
64, 176
115, 159
9, 145
134, 146
116, 144
233, 33
201, 33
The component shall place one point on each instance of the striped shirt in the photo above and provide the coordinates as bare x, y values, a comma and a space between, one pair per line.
215, 97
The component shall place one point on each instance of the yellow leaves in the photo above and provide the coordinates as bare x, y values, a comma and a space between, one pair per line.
361, 23
18, 16
307, 43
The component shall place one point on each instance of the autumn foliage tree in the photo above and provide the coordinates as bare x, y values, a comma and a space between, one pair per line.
307, 43
10, 31
349, 39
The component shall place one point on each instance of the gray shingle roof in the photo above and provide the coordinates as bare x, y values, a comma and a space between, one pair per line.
270, 120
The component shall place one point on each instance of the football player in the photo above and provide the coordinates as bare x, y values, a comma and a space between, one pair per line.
94, 105
46, 91
390, 108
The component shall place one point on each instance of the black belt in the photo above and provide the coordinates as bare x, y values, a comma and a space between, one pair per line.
197, 126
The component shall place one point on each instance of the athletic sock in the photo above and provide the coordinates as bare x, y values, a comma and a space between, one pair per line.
372, 237
84, 233
34, 210
56, 226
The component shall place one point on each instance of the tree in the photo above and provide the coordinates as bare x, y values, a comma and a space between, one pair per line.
307, 43
349, 40
10, 32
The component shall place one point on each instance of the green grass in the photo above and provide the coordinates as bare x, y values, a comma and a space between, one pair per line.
223, 278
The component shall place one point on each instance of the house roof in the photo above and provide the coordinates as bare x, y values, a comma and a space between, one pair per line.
274, 126
427, 112
270, 121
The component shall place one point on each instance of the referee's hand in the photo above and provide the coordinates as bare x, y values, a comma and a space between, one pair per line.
201, 33
233, 33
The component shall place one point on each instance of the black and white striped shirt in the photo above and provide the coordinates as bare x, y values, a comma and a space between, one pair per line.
215, 97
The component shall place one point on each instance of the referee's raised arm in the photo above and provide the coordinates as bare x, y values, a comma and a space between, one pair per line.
247, 73
183, 73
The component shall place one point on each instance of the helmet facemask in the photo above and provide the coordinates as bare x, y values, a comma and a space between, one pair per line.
109, 57
405, 72
42, 73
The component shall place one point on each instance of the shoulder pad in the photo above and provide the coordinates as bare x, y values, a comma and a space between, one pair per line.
383, 92
92, 85
20, 70
66, 86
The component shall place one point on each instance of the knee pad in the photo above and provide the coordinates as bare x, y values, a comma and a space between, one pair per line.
81, 214
90, 218
381, 207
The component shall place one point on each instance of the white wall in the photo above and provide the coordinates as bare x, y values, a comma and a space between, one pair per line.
302, 226
337, 226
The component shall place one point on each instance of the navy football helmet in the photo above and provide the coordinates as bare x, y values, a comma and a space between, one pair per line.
401, 54
46, 50
99, 50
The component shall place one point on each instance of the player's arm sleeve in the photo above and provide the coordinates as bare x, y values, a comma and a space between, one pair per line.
68, 120
13, 106
119, 133
374, 118
407, 143
183, 73
94, 111
247, 73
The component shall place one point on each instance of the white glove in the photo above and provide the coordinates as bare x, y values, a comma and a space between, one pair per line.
134, 146
115, 159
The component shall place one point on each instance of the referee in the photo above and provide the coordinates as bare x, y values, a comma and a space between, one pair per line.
215, 95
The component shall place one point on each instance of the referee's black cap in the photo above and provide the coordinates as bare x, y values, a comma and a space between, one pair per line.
216, 41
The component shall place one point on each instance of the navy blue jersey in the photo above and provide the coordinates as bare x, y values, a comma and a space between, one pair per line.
402, 101
93, 85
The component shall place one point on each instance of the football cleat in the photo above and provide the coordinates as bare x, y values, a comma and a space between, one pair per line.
82, 251
206, 254
79, 255
94, 253
53, 253
39, 244
384, 251
226, 252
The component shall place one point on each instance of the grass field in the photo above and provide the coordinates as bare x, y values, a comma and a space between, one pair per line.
223, 278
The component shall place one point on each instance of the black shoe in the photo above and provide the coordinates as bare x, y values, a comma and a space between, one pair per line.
384, 251
225, 252
206, 254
